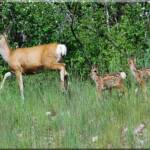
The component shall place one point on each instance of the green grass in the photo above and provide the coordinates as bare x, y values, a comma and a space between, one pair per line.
76, 117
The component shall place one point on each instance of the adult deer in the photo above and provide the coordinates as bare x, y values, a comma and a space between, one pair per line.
25, 60
141, 75
109, 81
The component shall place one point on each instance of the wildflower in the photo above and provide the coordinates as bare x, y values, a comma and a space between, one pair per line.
123, 135
20, 135
124, 130
94, 138
139, 129
51, 113
48, 113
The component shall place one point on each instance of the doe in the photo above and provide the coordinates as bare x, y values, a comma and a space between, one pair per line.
26, 60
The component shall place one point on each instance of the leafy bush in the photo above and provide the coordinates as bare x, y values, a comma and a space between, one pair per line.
106, 34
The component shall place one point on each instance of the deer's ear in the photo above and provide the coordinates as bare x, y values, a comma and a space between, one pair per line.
128, 60
93, 66
134, 60
1, 36
96, 66
5, 35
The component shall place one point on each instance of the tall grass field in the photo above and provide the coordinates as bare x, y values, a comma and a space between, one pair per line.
49, 118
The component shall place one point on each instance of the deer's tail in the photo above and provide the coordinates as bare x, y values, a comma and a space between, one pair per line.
61, 50
123, 75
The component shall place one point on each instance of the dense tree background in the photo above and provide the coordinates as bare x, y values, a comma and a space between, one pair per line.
106, 34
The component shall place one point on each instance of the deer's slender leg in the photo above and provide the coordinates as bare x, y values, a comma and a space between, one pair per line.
63, 73
144, 89
8, 74
110, 91
20, 82
136, 90
98, 93
124, 90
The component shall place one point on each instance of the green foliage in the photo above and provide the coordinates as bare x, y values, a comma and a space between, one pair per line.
106, 34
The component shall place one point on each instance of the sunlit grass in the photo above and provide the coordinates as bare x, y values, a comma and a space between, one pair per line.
52, 119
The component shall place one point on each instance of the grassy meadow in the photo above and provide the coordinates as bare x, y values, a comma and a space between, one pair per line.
52, 119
